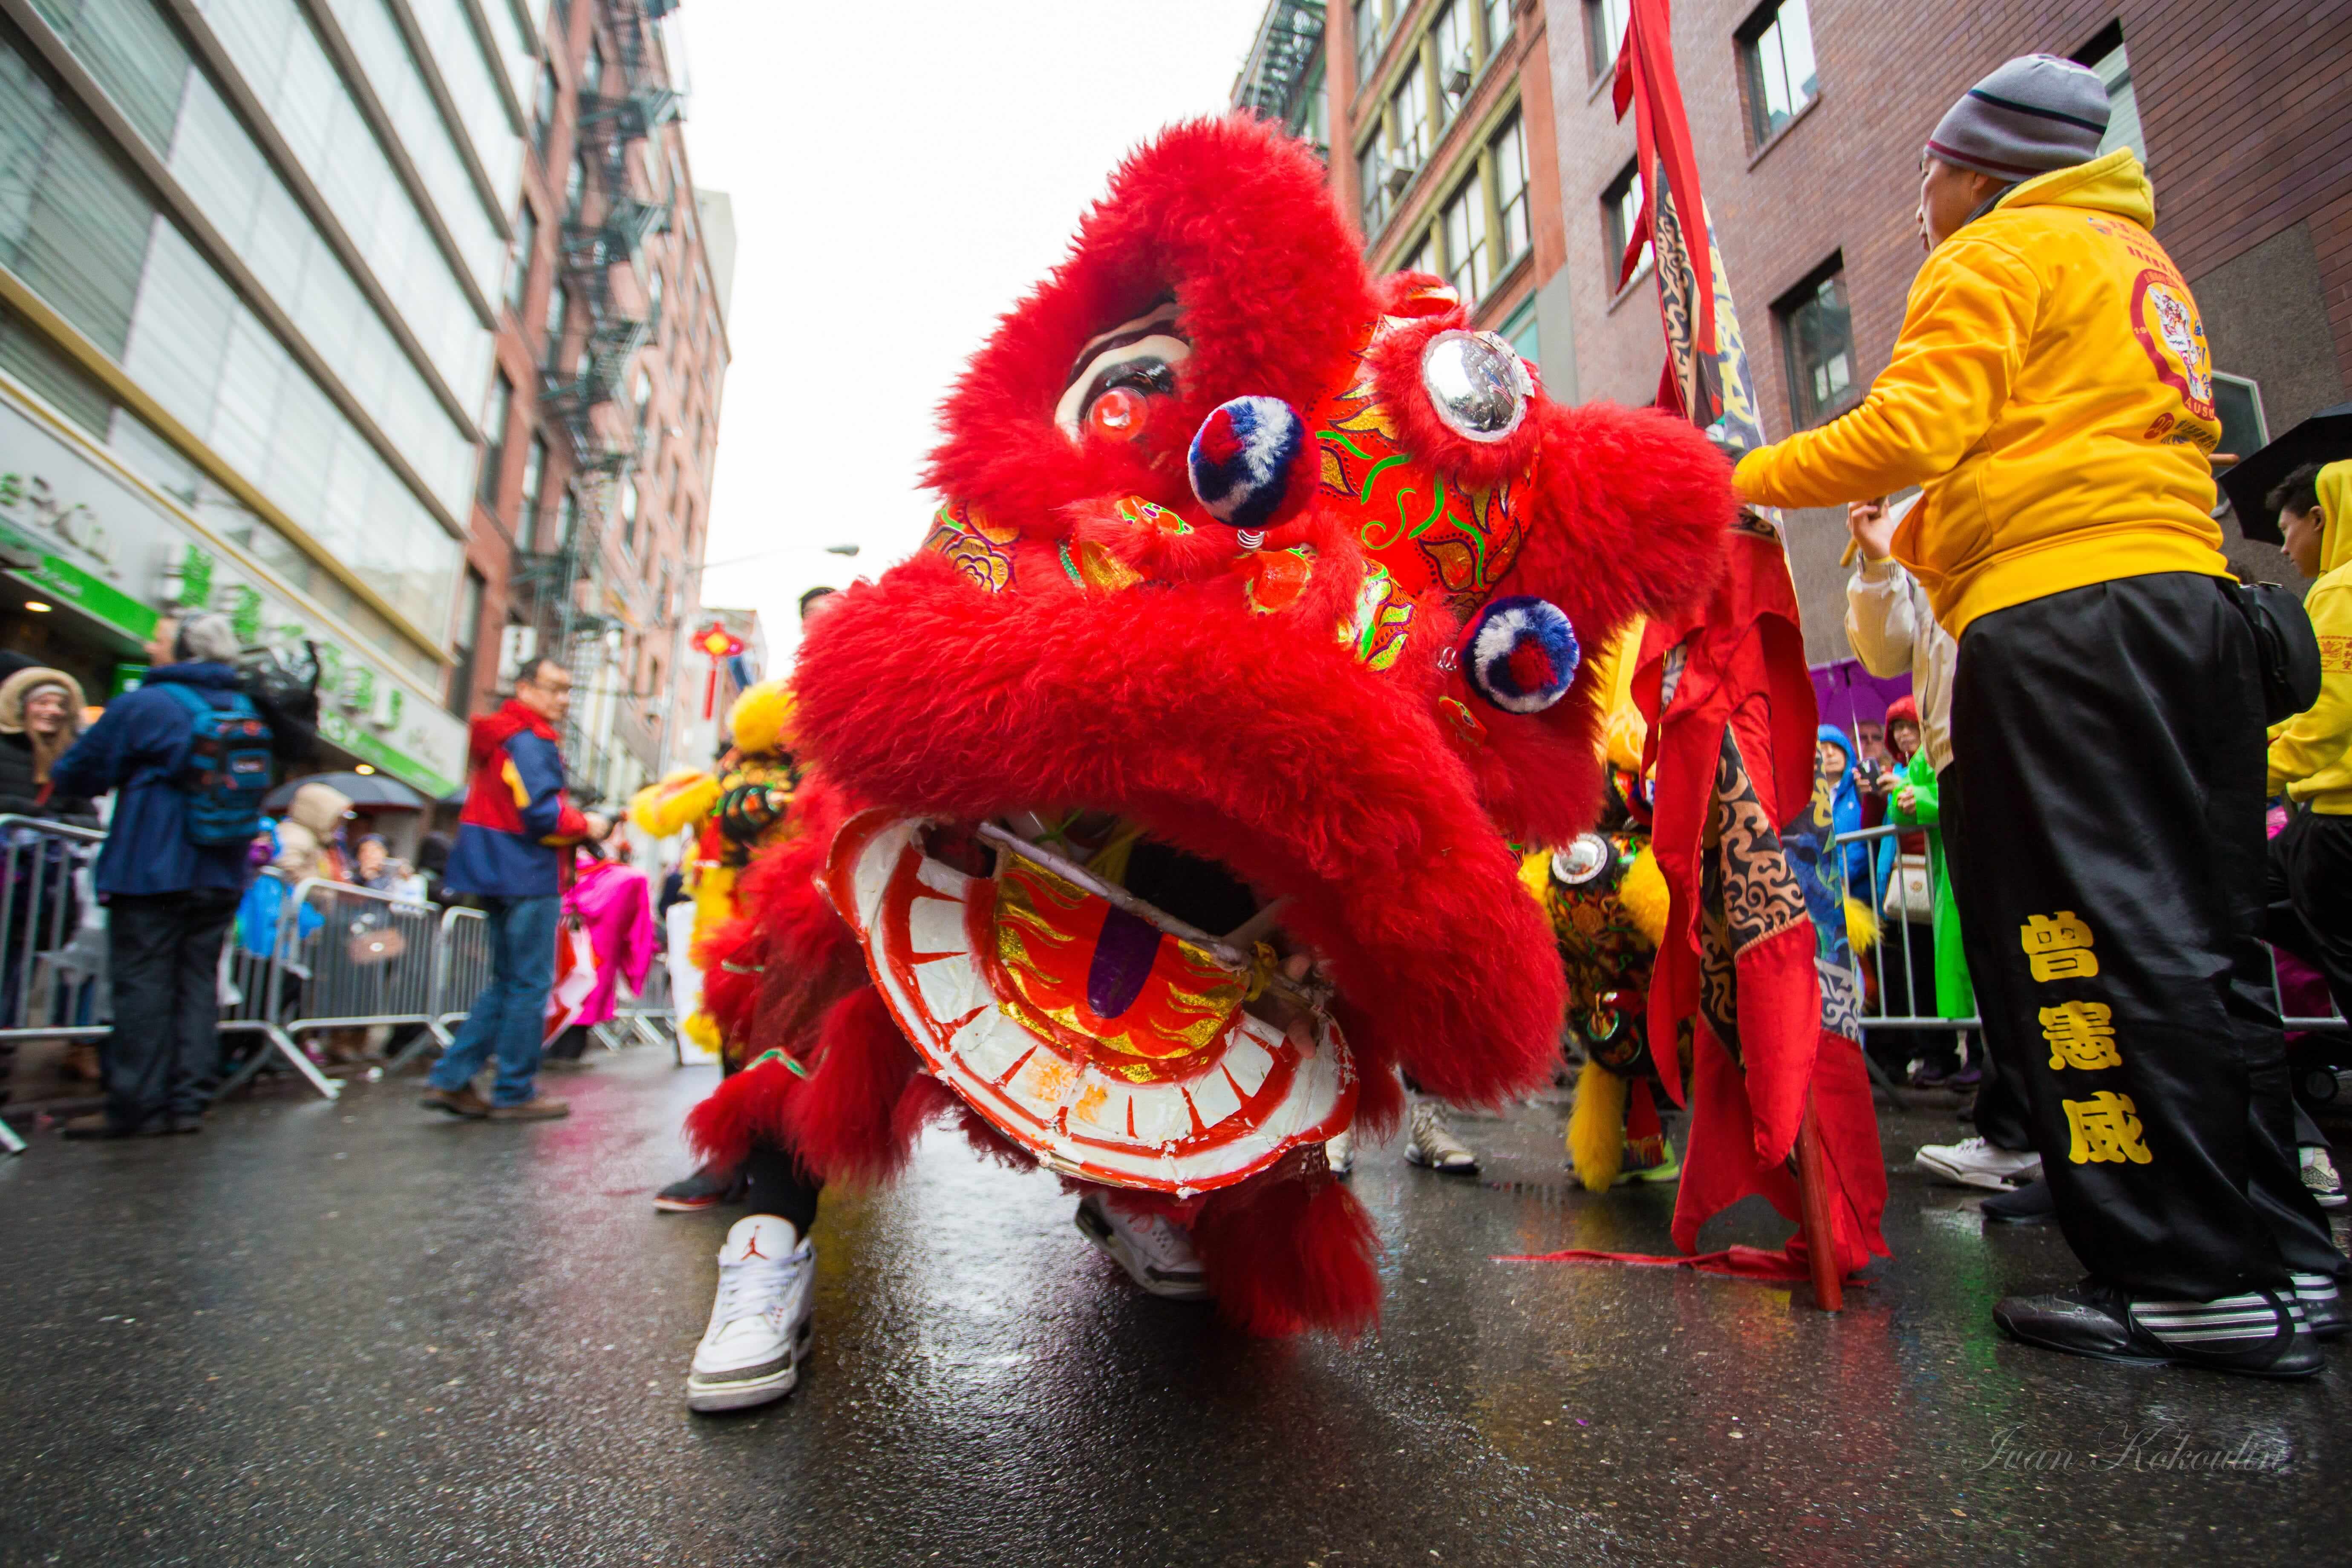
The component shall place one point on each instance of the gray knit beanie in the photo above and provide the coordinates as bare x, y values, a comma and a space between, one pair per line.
2034, 114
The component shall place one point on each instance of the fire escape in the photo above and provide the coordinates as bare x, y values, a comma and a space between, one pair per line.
1282, 78
584, 387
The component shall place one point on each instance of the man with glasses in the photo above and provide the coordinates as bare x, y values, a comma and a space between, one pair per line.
514, 848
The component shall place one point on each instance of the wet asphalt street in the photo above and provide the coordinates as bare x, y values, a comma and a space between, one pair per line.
357, 1333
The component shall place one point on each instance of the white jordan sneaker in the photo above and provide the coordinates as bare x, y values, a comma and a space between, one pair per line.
1339, 1151
1430, 1142
1157, 1255
1973, 1163
760, 1323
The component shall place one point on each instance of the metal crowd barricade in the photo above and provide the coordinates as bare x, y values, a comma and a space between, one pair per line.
49, 970
344, 958
1918, 1009
461, 967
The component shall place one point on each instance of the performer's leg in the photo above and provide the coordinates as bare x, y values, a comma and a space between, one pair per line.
1430, 1142
2122, 911
761, 1321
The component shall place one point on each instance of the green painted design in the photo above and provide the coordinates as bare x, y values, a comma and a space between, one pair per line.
1391, 461
1069, 565
1436, 510
1342, 439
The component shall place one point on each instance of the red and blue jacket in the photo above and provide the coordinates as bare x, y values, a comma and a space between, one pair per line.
516, 833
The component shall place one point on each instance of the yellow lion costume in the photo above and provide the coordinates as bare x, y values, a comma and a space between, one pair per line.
737, 811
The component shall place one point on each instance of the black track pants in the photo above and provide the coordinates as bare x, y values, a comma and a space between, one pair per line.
2108, 741
2001, 1113
2309, 894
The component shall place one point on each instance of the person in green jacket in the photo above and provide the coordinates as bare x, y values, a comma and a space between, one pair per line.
1915, 805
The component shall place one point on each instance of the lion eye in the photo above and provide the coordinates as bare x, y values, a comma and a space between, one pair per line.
1120, 373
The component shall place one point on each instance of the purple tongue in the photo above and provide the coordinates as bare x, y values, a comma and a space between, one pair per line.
1122, 962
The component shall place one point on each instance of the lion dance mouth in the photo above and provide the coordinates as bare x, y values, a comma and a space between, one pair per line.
1163, 805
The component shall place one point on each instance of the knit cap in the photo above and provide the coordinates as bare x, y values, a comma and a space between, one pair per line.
2034, 114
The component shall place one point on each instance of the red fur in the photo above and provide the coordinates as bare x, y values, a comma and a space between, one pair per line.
1286, 1256
1254, 739
746, 1107
842, 1119
1232, 218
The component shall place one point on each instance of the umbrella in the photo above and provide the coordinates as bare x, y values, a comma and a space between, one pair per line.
369, 791
2323, 438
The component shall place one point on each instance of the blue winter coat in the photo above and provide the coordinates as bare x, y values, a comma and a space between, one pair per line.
1845, 813
137, 747
516, 834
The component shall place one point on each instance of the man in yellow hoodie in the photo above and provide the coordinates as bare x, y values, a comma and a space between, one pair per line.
2311, 753
2051, 392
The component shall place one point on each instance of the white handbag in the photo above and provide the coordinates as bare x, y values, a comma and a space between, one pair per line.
1910, 892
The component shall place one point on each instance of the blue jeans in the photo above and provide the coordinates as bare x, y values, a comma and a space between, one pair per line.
510, 1016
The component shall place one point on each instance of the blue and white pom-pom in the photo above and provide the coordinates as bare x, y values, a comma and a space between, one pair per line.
1245, 462
1521, 654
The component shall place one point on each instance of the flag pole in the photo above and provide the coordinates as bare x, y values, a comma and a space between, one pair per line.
1706, 380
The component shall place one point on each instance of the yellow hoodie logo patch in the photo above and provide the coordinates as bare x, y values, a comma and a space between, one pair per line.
2164, 320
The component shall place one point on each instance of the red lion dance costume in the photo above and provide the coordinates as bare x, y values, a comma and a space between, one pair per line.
1162, 801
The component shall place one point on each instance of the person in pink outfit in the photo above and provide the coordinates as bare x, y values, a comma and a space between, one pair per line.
610, 901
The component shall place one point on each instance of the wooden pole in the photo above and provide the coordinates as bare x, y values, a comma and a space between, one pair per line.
1815, 1223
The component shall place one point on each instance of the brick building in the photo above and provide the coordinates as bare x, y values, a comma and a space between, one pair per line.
1808, 117
1435, 117
250, 265
602, 416
1807, 121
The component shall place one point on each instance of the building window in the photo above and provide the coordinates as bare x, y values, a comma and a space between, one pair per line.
1468, 261
466, 637
1777, 44
534, 486
526, 252
558, 303
1510, 151
1410, 108
568, 520
494, 437
1497, 21
652, 295
629, 514
1373, 171
543, 112
1457, 64
1621, 212
1423, 260
576, 187
591, 70
1371, 37
1818, 331
2107, 56
1604, 32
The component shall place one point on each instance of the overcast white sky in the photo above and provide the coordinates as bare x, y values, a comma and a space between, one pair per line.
901, 175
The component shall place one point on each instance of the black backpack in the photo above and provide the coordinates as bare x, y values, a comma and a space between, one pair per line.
2286, 650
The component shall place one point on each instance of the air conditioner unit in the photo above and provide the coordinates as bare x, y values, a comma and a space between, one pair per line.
1399, 176
1457, 78
517, 645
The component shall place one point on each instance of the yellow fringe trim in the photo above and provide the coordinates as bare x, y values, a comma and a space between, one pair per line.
1596, 1127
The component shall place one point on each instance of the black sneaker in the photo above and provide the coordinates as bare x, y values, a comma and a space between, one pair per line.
2098, 1320
2323, 1306
706, 1189
2029, 1204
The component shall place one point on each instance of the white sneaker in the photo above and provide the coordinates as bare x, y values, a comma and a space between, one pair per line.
1431, 1143
1973, 1163
2319, 1175
760, 1323
1157, 1255
1339, 1151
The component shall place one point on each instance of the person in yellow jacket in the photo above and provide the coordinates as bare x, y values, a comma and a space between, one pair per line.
2310, 755
2051, 392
